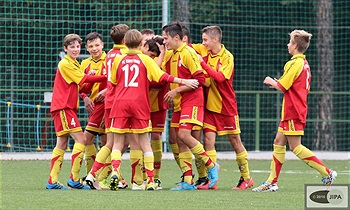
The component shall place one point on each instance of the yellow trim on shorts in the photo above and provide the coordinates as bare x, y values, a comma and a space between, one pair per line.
231, 132
64, 132
97, 130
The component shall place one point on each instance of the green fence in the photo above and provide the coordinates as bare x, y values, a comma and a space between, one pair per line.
33, 130
255, 31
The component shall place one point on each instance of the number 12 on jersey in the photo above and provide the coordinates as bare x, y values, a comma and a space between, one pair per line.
127, 69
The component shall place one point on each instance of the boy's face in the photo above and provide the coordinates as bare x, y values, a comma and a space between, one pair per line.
171, 43
292, 47
73, 50
145, 50
94, 47
208, 42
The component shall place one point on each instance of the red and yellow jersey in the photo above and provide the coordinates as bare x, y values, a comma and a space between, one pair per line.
156, 97
184, 63
295, 84
131, 74
98, 66
118, 49
66, 85
220, 95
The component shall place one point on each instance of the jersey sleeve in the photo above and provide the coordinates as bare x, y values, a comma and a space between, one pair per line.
71, 73
113, 76
191, 61
227, 66
154, 73
292, 70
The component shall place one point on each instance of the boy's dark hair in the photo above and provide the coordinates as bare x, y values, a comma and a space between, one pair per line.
173, 29
186, 32
147, 31
92, 36
118, 32
152, 46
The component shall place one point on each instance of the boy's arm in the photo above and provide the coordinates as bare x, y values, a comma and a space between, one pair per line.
217, 76
169, 96
273, 83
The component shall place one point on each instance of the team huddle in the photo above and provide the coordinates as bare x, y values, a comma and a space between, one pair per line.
127, 93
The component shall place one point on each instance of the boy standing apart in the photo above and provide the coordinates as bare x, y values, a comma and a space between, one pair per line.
295, 85
64, 106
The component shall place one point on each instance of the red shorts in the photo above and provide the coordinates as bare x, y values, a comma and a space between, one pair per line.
189, 118
130, 125
66, 121
292, 127
158, 121
96, 121
107, 120
220, 124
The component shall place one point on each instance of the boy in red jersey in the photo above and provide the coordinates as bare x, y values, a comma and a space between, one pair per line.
188, 105
102, 165
221, 113
295, 85
64, 106
95, 102
131, 74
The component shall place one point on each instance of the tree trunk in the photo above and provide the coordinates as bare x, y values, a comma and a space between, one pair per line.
182, 12
325, 129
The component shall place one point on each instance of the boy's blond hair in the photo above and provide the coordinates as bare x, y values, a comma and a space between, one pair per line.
301, 38
133, 38
213, 31
68, 39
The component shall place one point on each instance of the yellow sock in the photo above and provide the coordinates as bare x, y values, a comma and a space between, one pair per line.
90, 155
56, 163
212, 155
116, 160
106, 170
198, 149
136, 162
201, 169
175, 149
148, 161
242, 162
100, 161
310, 159
157, 152
278, 156
77, 159
185, 159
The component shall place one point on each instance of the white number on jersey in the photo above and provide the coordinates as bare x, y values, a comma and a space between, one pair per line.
128, 69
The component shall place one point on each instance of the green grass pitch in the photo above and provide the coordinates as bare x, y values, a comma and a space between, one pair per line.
23, 187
